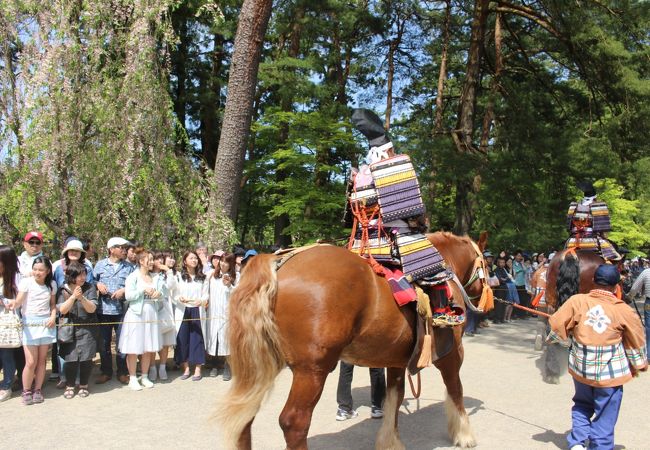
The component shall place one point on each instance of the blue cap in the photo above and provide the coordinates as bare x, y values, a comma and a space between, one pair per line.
607, 275
249, 253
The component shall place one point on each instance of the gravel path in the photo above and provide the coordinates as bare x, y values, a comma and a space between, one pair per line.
508, 403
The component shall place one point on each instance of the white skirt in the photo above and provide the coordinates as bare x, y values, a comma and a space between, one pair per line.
169, 338
140, 333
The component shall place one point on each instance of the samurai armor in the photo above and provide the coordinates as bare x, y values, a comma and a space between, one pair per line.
419, 257
379, 245
595, 243
397, 187
600, 214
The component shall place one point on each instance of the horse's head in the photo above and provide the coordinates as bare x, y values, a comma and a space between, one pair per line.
465, 258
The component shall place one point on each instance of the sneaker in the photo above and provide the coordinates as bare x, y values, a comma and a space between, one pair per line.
38, 396
578, 447
27, 398
5, 394
343, 414
162, 372
134, 385
153, 373
376, 413
53, 376
146, 382
214, 372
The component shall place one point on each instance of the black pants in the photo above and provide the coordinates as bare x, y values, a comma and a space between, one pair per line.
344, 390
70, 368
500, 308
524, 300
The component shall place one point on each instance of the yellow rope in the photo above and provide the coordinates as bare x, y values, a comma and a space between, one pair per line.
95, 324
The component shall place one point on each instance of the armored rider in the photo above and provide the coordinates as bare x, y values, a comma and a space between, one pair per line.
588, 222
386, 193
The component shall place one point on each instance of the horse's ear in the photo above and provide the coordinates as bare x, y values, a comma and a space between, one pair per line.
482, 240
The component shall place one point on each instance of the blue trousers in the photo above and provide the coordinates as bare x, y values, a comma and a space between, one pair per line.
593, 416
472, 320
8, 367
105, 355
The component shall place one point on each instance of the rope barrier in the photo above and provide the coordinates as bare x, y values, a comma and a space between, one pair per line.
96, 324
523, 308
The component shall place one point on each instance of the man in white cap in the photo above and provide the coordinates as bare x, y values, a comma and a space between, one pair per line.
110, 275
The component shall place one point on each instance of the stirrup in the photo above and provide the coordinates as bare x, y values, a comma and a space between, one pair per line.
438, 278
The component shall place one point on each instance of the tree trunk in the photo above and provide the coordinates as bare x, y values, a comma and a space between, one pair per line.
235, 129
463, 134
211, 104
442, 76
488, 118
180, 70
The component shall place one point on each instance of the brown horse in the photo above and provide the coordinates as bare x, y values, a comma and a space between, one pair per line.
569, 273
322, 305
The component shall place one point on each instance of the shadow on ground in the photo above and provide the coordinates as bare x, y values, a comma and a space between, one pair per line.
420, 429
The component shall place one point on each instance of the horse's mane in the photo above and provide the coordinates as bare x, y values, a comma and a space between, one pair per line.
451, 236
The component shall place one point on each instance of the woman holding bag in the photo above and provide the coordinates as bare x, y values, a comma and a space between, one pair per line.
140, 331
9, 278
77, 299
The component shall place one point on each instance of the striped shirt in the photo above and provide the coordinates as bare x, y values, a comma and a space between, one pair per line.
642, 283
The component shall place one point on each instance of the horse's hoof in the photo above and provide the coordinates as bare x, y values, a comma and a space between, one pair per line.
465, 441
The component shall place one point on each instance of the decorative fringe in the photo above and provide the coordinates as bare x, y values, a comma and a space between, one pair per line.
425, 357
487, 299
424, 303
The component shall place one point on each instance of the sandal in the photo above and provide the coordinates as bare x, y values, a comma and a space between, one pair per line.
69, 393
83, 391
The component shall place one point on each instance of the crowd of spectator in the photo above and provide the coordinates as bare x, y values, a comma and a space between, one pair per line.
136, 302
518, 277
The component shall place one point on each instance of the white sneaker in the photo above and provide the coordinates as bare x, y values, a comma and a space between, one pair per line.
162, 372
214, 372
146, 382
5, 394
153, 373
134, 385
578, 447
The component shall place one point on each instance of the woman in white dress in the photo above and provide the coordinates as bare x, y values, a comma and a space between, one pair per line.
166, 311
190, 299
140, 332
222, 282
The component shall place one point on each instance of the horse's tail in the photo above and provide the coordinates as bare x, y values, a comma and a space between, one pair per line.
568, 277
255, 351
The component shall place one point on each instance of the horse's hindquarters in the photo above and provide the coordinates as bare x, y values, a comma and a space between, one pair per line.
331, 305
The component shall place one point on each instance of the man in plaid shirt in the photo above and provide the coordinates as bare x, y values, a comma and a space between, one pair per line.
607, 350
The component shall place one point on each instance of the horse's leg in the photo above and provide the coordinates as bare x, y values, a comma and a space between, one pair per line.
295, 418
388, 436
458, 425
245, 441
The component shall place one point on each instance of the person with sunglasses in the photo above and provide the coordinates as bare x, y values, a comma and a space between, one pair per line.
110, 277
33, 244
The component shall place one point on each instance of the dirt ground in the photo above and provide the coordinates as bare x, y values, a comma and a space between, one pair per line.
509, 405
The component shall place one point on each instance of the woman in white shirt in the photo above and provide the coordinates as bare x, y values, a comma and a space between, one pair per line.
222, 282
190, 300
36, 296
